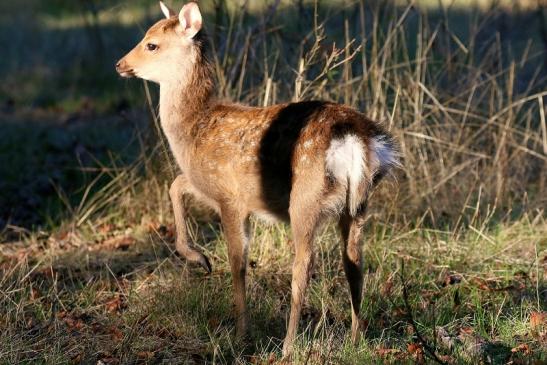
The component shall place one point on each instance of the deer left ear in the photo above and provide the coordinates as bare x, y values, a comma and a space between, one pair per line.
190, 19
167, 11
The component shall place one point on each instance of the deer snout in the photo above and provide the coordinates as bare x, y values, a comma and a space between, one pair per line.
124, 69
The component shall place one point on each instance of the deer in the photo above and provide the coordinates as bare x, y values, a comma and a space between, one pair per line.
300, 162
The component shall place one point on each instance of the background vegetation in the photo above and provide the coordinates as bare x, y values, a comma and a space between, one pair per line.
455, 245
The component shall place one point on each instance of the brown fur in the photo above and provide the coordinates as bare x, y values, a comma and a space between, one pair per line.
241, 160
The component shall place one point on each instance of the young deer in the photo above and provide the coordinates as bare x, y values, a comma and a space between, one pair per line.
298, 162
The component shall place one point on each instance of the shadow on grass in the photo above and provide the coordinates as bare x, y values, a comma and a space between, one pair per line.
123, 304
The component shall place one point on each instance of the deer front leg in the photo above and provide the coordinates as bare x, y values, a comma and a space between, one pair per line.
178, 189
235, 225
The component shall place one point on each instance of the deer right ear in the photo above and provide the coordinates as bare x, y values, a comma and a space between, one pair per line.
190, 19
167, 11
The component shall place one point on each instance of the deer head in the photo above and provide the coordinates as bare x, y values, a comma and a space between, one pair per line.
169, 49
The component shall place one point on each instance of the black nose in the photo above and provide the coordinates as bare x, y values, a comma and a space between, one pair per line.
118, 65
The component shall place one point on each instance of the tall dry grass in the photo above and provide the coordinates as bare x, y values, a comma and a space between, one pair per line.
469, 113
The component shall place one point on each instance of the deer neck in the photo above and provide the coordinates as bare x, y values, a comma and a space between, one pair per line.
186, 101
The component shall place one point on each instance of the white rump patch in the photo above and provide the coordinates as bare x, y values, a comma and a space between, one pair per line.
345, 160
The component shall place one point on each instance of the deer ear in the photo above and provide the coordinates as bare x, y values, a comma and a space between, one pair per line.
190, 19
167, 11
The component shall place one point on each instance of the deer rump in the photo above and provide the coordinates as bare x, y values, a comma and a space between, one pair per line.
351, 152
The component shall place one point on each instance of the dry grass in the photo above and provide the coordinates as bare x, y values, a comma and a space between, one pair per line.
461, 229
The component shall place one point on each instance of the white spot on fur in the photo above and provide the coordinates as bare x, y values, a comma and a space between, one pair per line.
345, 160
307, 144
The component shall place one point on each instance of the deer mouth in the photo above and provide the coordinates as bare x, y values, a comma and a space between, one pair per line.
127, 73
123, 70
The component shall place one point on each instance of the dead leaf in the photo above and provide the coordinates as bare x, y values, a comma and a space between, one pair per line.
115, 304
447, 359
74, 323
495, 285
76, 359
145, 355
537, 320
106, 228
166, 232
522, 348
481, 284
115, 333
387, 287
385, 352
466, 331
399, 312
114, 243
414, 348
417, 352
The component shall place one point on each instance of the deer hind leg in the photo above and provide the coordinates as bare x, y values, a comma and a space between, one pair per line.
304, 221
351, 229
178, 189
236, 226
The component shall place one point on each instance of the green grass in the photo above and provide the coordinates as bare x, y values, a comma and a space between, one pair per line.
142, 301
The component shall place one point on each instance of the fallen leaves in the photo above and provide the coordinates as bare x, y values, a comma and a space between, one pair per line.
106, 228
72, 321
145, 355
522, 348
115, 243
116, 304
417, 352
272, 359
387, 352
538, 325
538, 320
496, 285
387, 287
115, 333
166, 232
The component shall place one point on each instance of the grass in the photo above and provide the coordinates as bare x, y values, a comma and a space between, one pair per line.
455, 245
140, 302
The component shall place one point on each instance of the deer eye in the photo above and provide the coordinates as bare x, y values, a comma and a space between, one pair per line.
151, 46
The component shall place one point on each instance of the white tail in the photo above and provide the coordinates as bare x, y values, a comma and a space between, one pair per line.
346, 161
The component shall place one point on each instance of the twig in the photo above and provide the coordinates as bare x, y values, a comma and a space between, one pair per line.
430, 351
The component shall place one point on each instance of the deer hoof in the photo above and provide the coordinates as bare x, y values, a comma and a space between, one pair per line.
203, 261
194, 256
